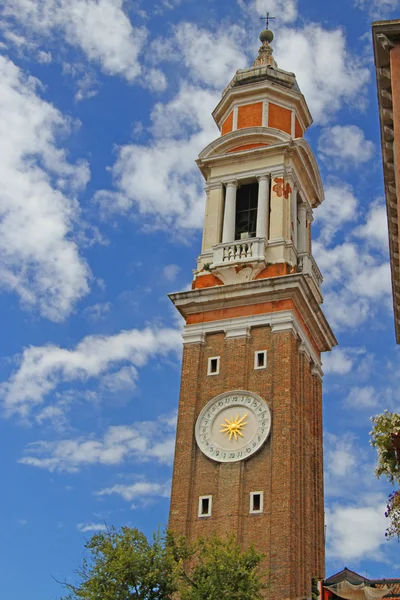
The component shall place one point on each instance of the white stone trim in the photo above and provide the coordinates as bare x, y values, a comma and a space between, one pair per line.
235, 118
200, 513
285, 320
214, 185
293, 124
236, 330
316, 371
265, 115
195, 337
256, 512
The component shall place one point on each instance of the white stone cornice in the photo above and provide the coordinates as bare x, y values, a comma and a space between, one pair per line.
240, 327
193, 336
213, 185
316, 371
295, 287
235, 330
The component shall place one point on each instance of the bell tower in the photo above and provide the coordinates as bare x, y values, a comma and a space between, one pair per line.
248, 456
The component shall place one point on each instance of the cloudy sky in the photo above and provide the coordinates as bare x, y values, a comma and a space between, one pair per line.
104, 107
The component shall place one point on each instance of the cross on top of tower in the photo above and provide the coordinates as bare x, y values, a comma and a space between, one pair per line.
265, 57
267, 20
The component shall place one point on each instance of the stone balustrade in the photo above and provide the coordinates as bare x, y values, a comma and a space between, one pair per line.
308, 266
240, 251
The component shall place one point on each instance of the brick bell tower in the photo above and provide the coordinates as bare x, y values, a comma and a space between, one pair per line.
248, 453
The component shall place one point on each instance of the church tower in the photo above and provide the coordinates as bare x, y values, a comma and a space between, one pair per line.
248, 456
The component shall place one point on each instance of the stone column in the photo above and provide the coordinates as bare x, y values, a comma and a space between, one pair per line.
310, 219
263, 207
302, 230
228, 232
293, 211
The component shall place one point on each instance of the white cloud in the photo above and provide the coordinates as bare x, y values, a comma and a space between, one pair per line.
124, 379
38, 207
340, 455
378, 8
97, 312
372, 282
341, 360
375, 231
357, 283
360, 398
99, 28
173, 200
84, 79
154, 80
143, 492
356, 532
170, 272
43, 368
344, 146
286, 9
91, 527
143, 441
328, 74
53, 414
211, 57
338, 208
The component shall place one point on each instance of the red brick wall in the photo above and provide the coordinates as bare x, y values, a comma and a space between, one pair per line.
288, 468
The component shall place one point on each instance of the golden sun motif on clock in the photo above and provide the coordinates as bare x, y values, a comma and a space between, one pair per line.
233, 427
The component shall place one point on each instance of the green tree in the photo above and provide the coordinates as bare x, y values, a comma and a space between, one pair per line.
124, 565
384, 426
223, 571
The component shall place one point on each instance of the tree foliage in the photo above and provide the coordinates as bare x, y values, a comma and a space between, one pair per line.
125, 565
381, 438
388, 466
223, 571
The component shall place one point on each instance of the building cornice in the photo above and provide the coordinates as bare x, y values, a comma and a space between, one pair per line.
272, 90
240, 327
289, 287
288, 152
385, 35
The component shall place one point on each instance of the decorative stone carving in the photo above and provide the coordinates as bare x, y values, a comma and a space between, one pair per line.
265, 57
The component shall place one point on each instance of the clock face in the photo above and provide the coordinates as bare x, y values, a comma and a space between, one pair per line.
233, 426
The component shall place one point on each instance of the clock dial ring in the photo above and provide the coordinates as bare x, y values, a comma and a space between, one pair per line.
233, 426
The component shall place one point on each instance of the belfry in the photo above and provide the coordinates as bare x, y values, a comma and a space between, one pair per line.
249, 456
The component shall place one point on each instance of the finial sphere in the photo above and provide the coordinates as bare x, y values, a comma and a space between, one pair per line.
266, 36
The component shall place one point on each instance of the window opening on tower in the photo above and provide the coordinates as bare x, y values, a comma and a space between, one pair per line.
260, 359
213, 365
256, 502
246, 211
205, 503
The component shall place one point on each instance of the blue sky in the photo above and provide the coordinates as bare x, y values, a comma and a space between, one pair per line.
104, 107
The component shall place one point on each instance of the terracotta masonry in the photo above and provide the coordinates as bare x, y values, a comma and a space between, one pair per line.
253, 338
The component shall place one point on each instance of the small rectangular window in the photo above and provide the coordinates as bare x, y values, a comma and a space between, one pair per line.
260, 359
213, 366
256, 502
205, 505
